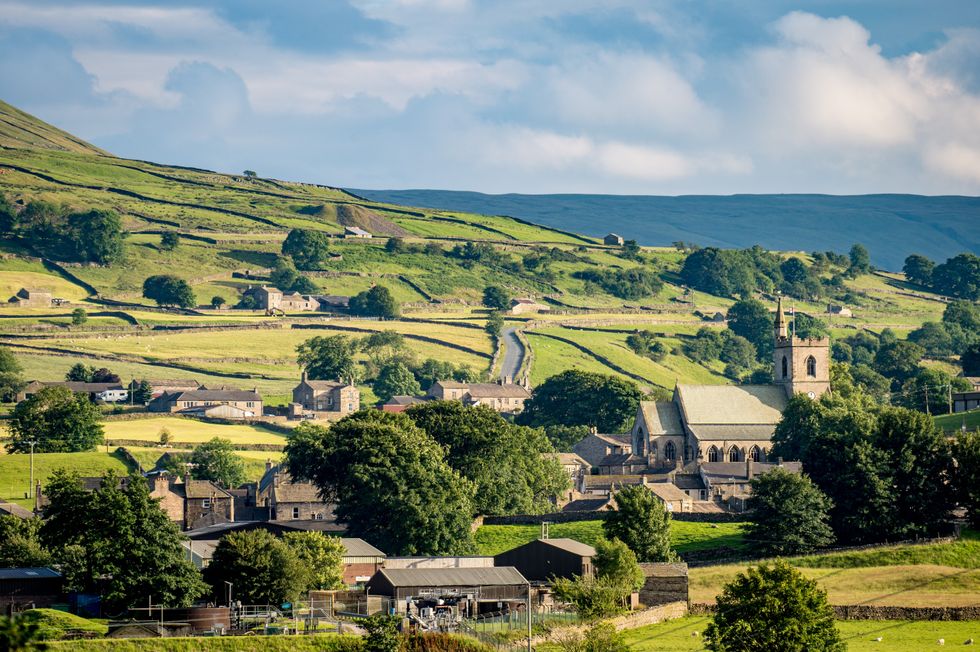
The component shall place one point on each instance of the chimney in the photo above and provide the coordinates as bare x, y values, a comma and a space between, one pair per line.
268, 464
275, 479
593, 430
304, 377
678, 464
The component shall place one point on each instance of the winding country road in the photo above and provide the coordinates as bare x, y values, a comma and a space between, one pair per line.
513, 354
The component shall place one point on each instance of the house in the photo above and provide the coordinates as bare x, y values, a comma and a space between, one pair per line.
472, 590
674, 499
524, 306
215, 403
29, 588
542, 560
13, 509
205, 503
966, 401
576, 468
355, 232
622, 464
840, 311
162, 488
326, 398
286, 500
501, 397
614, 240
975, 381
401, 403
105, 392
270, 298
160, 386
731, 423
26, 298
729, 482
590, 504
595, 447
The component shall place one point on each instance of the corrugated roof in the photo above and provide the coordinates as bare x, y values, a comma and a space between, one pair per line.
448, 577
661, 417
360, 548
731, 404
752, 431
571, 545
27, 573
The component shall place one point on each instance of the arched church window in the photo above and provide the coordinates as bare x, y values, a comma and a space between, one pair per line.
733, 455
756, 454
670, 453
811, 366
712, 454
785, 367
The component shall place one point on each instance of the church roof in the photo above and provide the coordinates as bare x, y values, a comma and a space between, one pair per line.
733, 431
731, 404
662, 418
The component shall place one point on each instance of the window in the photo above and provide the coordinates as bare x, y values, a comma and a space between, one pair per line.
756, 454
785, 367
317, 516
704, 494
206, 503
811, 367
295, 512
733, 455
712, 454
670, 453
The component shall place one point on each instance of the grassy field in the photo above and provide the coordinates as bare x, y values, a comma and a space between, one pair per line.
255, 461
686, 536
969, 419
39, 279
897, 635
190, 431
15, 470
321, 643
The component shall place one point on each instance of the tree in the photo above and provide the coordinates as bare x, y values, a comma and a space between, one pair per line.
395, 379
8, 215
601, 637
20, 543
958, 277
641, 522
966, 476
217, 461
125, 546
738, 354
928, 390
788, 515
382, 633
574, 398
78, 316
80, 373
308, 249
386, 347
751, 319
495, 324
496, 297
58, 420
860, 259
918, 269
104, 375
390, 481
322, 555
261, 569
251, 174
169, 240
898, 360
217, 301
96, 236
807, 327
616, 563
773, 608
395, 245
376, 302
140, 391
593, 598
514, 468
970, 360
20, 634
11, 380
329, 358
645, 343
169, 290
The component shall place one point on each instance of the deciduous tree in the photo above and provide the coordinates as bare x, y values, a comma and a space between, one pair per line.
58, 420
574, 398
322, 555
496, 297
11, 380
788, 515
329, 358
752, 320
216, 460
261, 569
642, 523
395, 379
376, 302
169, 290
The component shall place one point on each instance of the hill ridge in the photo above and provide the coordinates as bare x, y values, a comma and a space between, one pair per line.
21, 130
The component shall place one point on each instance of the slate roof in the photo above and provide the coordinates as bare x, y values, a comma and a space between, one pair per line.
667, 491
405, 400
751, 431
27, 573
323, 384
200, 489
662, 417
731, 404
689, 481
722, 471
568, 459
15, 510
620, 459
587, 505
214, 395
571, 545
300, 492
493, 390
449, 577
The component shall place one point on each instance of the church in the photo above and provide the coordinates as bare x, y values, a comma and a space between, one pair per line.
731, 423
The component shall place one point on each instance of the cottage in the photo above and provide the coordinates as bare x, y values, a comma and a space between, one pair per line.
576, 468
160, 386
614, 240
326, 398
105, 392
595, 447
205, 503
29, 588
622, 464
355, 232
31, 299
838, 310
544, 559
501, 397
286, 500
674, 499
220, 403
13, 509
479, 589
401, 403
270, 298
524, 306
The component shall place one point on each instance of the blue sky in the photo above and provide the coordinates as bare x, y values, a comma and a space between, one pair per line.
534, 96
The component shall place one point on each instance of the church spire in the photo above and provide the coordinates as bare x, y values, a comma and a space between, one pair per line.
779, 325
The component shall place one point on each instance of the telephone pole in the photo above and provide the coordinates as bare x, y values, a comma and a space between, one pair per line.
33, 444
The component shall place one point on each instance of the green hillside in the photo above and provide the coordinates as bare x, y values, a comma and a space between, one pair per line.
233, 226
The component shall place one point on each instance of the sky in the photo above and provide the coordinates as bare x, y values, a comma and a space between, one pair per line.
534, 96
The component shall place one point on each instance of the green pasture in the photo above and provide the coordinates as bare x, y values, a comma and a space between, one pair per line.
279, 643
15, 470
970, 420
686, 635
147, 456
189, 431
13, 280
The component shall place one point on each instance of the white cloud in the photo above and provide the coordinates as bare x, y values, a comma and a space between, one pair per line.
956, 160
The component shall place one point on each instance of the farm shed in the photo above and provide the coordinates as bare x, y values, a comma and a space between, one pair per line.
543, 559
485, 588
29, 587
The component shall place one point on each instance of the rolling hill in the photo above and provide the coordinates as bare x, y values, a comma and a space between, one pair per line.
22, 130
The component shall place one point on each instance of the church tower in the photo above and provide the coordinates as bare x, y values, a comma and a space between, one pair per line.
801, 365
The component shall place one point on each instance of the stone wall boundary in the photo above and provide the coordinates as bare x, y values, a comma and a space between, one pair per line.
876, 612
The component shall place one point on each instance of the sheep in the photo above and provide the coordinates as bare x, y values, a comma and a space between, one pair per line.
941, 641
878, 640
695, 634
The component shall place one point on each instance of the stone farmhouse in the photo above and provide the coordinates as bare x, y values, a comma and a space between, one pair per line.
286, 500
270, 298
31, 299
613, 239
502, 397
731, 423
323, 399
524, 306
595, 447
216, 403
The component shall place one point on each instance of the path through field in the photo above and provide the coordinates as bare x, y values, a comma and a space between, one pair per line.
513, 354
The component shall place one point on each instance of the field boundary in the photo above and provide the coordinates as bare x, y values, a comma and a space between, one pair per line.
599, 357
873, 612
407, 336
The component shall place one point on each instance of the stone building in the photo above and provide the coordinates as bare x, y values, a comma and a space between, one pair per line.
594, 448
218, 403
613, 239
326, 396
501, 397
31, 299
270, 298
286, 500
524, 306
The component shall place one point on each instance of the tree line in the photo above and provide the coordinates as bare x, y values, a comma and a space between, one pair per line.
63, 233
